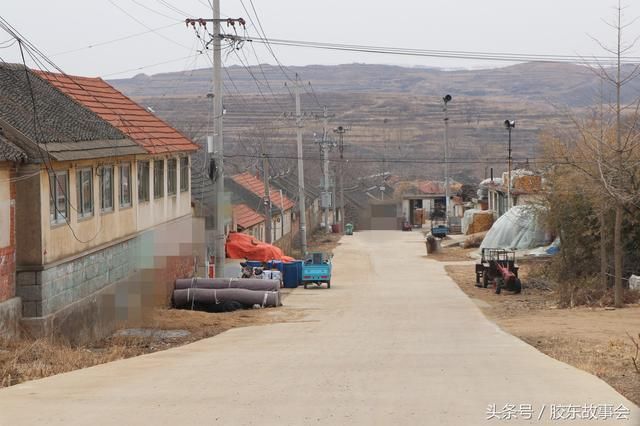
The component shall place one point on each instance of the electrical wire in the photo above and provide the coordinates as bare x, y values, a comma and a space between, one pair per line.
450, 54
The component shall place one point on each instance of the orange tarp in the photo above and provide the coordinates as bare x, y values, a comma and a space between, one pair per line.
243, 246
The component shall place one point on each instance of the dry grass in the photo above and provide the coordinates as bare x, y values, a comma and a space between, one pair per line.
452, 254
595, 340
26, 360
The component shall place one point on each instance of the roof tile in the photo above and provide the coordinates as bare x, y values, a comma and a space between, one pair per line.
146, 129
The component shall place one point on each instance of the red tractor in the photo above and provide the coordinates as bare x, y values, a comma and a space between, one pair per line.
498, 267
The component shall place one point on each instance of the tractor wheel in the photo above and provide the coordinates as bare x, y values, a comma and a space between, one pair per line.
498, 285
328, 284
485, 280
305, 286
518, 286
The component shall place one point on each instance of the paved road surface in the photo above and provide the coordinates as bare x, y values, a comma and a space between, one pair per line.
394, 342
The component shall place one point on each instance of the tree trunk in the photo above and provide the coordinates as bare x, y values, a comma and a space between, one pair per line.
604, 261
617, 252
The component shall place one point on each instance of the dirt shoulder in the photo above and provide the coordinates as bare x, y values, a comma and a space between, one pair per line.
25, 360
594, 340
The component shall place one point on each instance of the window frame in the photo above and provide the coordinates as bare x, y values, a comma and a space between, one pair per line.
125, 203
110, 208
143, 187
184, 174
172, 178
57, 217
81, 173
158, 184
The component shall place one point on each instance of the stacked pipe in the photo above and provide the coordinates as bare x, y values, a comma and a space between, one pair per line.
225, 294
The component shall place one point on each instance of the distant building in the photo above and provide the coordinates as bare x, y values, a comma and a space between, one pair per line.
248, 189
526, 189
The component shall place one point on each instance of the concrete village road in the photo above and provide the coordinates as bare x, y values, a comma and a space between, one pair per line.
393, 342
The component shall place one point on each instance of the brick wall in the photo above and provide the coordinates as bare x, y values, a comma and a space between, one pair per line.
8, 253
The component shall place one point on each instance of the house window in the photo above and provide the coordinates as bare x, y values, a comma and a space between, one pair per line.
84, 186
58, 201
106, 188
172, 176
143, 181
184, 174
125, 185
158, 179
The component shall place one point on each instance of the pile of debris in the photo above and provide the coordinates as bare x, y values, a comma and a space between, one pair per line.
226, 294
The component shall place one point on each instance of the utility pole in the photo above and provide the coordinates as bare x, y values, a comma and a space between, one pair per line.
341, 131
282, 213
218, 155
509, 125
267, 199
219, 141
325, 146
446, 99
301, 195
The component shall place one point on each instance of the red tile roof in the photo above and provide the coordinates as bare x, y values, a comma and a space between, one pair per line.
253, 184
245, 216
431, 187
146, 129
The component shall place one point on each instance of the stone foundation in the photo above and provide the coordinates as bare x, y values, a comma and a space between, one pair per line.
10, 314
85, 298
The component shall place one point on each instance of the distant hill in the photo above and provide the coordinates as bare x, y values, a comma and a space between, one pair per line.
393, 112
566, 84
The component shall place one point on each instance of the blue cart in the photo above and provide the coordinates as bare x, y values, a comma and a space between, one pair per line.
317, 270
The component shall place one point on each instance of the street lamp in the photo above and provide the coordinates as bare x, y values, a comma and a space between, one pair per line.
446, 99
509, 125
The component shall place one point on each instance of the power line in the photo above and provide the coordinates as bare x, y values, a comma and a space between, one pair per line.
115, 40
452, 54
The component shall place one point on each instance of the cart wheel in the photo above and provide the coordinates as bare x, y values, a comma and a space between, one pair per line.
498, 286
328, 284
305, 286
485, 280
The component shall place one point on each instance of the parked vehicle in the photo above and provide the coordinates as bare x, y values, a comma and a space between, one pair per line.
439, 224
317, 270
498, 267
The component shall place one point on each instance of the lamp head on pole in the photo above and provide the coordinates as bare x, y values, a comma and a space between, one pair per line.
509, 124
447, 99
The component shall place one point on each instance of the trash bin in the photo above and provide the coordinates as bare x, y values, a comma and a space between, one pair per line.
335, 228
348, 228
433, 244
292, 276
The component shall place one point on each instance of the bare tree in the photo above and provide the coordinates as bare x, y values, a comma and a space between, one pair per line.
606, 149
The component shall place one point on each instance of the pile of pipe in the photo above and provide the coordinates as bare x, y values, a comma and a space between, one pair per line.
225, 294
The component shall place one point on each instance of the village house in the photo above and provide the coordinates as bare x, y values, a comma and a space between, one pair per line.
102, 203
525, 190
245, 187
248, 221
10, 306
289, 185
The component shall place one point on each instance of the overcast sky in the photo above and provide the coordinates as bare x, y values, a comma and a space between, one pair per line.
64, 28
